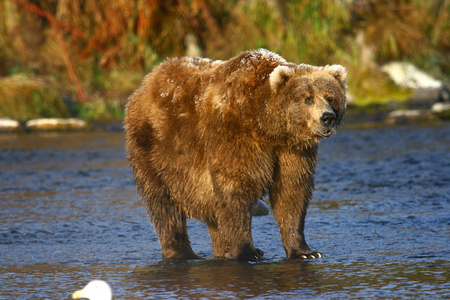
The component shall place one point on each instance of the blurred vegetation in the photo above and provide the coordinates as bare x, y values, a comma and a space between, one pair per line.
23, 98
97, 52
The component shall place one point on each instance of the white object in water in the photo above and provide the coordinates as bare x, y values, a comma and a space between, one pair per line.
94, 290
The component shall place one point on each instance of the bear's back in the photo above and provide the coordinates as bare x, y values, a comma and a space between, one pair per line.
190, 78
193, 93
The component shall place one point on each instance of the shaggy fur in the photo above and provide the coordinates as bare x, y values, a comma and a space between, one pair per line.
206, 139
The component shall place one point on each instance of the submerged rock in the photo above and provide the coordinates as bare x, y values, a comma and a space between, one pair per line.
9, 125
424, 98
56, 124
441, 109
407, 116
260, 208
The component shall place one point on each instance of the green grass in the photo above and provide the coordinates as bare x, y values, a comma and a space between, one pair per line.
99, 110
23, 98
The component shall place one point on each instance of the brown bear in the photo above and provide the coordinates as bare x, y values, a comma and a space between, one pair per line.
206, 139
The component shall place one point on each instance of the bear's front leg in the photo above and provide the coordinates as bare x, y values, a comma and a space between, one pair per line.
290, 193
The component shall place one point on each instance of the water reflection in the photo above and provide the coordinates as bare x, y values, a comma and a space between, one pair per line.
215, 278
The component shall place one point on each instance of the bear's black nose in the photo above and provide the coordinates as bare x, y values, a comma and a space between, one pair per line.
328, 119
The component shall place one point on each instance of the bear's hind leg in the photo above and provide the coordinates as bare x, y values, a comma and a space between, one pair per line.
221, 248
170, 223
218, 247
232, 236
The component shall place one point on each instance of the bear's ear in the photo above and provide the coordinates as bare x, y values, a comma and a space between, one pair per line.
279, 76
338, 72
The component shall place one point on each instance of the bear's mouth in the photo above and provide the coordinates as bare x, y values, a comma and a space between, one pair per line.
326, 134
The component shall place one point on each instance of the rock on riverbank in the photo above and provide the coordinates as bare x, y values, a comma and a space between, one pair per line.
406, 116
56, 124
431, 98
9, 125
46, 124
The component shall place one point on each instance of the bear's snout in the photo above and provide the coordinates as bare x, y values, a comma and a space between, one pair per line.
328, 120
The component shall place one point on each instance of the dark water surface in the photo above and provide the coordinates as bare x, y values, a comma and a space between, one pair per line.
69, 213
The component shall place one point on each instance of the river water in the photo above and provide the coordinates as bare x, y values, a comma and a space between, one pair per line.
380, 214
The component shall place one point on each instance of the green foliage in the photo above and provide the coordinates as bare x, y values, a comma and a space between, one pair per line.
316, 28
22, 98
379, 91
99, 110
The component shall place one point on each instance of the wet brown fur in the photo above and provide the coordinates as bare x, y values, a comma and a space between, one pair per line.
206, 139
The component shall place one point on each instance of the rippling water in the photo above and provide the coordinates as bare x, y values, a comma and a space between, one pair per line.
69, 213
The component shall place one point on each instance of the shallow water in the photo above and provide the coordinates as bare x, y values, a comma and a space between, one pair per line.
69, 213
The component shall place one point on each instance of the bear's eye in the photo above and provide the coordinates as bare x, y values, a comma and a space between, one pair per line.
330, 99
309, 101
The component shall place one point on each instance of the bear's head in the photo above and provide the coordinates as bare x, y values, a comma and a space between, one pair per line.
307, 101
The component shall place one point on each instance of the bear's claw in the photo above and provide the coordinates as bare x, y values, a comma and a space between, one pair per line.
311, 255
258, 255
259, 252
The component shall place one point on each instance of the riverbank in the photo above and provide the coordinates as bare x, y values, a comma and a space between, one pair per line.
355, 118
